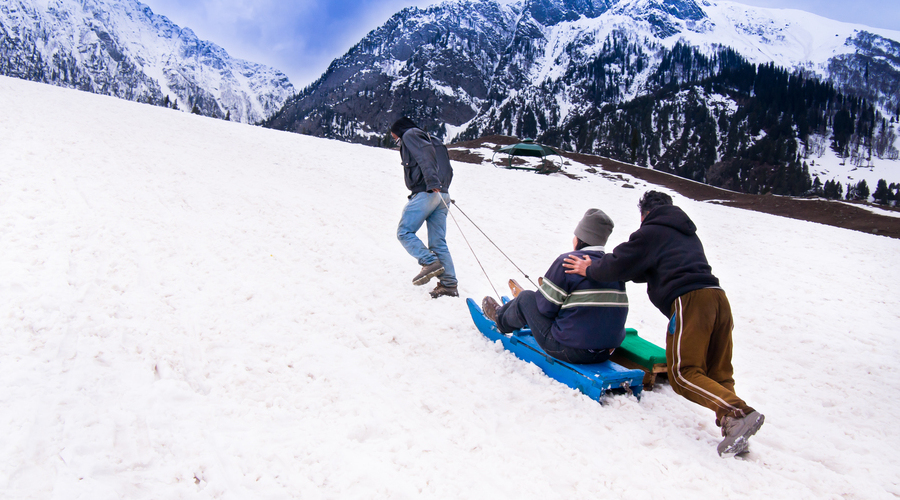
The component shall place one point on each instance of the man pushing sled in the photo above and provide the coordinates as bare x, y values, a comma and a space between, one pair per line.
666, 253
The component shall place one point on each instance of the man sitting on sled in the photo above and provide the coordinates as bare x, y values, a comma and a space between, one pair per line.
572, 318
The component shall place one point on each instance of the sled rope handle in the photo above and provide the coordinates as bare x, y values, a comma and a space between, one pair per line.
469, 244
452, 201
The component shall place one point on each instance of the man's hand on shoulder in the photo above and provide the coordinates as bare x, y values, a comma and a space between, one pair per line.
574, 265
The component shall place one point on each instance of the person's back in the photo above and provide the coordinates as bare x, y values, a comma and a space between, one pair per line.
666, 254
426, 164
572, 318
587, 314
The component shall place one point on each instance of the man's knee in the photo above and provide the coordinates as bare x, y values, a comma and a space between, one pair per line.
404, 232
526, 295
679, 377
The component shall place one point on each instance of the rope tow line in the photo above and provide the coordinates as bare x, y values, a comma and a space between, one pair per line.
469, 244
453, 202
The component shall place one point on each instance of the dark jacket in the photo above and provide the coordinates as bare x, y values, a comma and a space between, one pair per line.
665, 253
426, 165
586, 314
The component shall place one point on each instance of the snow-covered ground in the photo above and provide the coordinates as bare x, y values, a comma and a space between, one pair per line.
831, 167
193, 308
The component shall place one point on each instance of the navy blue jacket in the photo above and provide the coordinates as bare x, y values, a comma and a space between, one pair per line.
665, 253
586, 314
426, 164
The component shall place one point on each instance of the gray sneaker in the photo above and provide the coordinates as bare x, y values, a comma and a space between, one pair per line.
737, 432
428, 271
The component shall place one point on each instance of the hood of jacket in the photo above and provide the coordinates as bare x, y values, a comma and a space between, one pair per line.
671, 216
402, 125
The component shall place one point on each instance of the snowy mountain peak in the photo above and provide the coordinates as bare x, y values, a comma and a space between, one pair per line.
121, 48
552, 12
679, 9
672, 84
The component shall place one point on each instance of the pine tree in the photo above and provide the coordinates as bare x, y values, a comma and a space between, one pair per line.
635, 144
882, 194
842, 130
833, 190
862, 190
858, 192
817, 187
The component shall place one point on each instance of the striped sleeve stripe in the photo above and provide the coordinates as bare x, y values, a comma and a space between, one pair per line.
597, 298
553, 293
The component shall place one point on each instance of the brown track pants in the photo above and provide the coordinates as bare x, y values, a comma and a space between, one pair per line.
698, 352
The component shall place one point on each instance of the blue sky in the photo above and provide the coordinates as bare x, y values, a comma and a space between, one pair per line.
301, 37
298, 37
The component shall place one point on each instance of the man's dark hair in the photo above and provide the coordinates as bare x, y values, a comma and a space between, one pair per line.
653, 199
402, 125
580, 244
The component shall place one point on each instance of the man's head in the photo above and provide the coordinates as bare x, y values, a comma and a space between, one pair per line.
594, 228
401, 126
651, 200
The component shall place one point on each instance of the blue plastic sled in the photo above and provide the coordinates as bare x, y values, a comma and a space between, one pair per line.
592, 380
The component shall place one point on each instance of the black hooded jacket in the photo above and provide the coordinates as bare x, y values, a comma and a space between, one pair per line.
402, 125
665, 253
426, 164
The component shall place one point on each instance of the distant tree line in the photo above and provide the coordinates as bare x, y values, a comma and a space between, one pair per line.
884, 194
716, 119
755, 140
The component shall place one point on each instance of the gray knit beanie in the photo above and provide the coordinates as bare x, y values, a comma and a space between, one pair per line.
594, 228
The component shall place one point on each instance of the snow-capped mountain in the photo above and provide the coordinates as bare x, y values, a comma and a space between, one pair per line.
557, 70
437, 63
121, 48
457, 60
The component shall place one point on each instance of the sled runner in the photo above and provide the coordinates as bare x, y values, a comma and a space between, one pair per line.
634, 353
592, 380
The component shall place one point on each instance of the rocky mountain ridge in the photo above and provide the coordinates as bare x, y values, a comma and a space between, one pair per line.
555, 70
121, 48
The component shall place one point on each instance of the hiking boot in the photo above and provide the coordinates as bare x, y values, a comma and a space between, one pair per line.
737, 431
428, 271
441, 289
490, 307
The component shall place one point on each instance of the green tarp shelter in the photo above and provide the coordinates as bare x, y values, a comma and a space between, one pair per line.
526, 148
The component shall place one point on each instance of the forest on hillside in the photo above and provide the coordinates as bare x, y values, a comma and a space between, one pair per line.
717, 119
727, 122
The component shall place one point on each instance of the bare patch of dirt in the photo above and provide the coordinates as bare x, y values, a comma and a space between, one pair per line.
832, 213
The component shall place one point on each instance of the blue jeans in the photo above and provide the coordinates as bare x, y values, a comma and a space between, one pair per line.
523, 311
427, 208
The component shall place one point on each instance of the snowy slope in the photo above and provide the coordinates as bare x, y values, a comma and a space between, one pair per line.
200, 309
